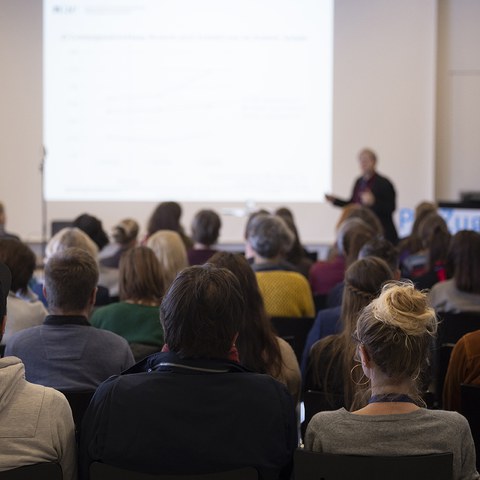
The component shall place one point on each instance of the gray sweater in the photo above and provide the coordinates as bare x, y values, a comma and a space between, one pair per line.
421, 432
36, 423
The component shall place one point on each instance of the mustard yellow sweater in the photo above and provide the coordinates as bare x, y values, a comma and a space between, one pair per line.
286, 294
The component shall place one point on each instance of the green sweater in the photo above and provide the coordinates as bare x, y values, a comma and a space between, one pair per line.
135, 323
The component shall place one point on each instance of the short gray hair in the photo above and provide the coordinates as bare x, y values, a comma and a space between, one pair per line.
269, 236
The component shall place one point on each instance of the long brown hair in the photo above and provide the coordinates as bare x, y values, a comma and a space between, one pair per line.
363, 281
257, 345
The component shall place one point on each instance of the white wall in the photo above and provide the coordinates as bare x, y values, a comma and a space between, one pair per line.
384, 98
458, 119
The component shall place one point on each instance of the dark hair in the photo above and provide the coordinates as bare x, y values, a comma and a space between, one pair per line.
257, 344
381, 248
269, 236
250, 220
435, 236
355, 238
166, 216
92, 226
464, 260
363, 281
296, 252
21, 261
70, 277
202, 311
206, 227
140, 276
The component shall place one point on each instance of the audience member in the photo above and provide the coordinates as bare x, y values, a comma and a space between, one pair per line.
74, 237
248, 249
166, 216
92, 226
463, 367
285, 292
124, 235
462, 292
66, 352
193, 408
413, 243
297, 255
373, 191
326, 274
205, 232
24, 308
136, 317
36, 423
328, 321
170, 252
3, 221
332, 368
258, 346
394, 335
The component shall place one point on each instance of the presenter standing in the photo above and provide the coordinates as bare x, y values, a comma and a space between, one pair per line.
373, 191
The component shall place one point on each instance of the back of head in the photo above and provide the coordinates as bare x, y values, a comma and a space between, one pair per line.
381, 248
269, 236
71, 276
126, 231
396, 330
165, 217
202, 312
70, 237
5, 282
170, 252
140, 276
367, 216
206, 227
464, 260
20, 260
435, 236
363, 282
356, 233
92, 226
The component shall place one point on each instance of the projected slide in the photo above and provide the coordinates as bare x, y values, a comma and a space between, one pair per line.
190, 100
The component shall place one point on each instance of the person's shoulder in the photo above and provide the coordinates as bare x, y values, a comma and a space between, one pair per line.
454, 420
108, 337
26, 335
328, 418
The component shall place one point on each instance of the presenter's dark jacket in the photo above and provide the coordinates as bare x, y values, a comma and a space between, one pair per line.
190, 416
385, 202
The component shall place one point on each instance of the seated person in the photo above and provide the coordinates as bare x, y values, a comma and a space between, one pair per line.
36, 423
124, 236
193, 408
3, 221
66, 352
24, 308
205, 232
285, 292
330, 361
461, 293
136, 317
394, 334
463, 367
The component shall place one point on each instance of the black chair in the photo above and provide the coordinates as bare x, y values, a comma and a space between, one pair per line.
79, 401
323, 466
294, 330
315, 402
102, 471
451, 327
38, 471
470, 401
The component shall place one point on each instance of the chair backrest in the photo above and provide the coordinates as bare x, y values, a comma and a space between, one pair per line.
470, 401
453, 326
323, 466
315, 402
38, 471
79, 401
294, 330
102, 471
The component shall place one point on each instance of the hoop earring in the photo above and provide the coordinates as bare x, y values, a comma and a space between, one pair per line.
359, 384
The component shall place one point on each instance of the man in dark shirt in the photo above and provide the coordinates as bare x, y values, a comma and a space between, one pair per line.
193, 408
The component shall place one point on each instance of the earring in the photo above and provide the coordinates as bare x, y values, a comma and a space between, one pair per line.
359, 384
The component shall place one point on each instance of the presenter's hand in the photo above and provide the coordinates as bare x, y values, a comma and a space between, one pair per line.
329, 198
367, 198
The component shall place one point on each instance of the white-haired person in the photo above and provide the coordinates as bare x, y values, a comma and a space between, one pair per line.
394, 334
